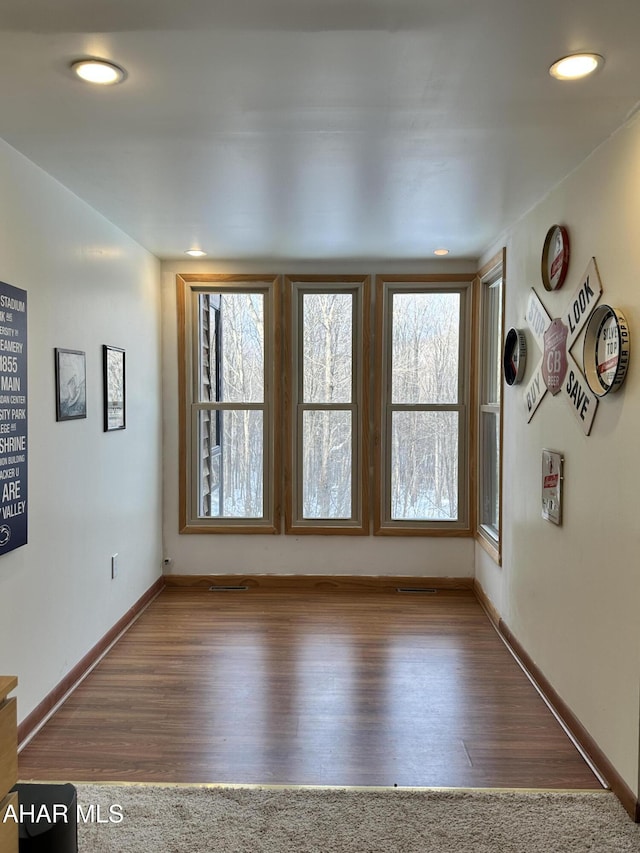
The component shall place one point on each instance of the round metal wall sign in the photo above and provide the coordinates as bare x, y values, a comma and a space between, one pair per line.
555, 257
514, 359
606, 350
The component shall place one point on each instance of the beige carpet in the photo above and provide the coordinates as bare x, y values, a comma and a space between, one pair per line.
186, 819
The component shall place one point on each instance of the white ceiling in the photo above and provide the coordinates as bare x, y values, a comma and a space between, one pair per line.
273, 129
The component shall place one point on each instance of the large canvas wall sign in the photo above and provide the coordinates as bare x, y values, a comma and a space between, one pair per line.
557, 370
13, 417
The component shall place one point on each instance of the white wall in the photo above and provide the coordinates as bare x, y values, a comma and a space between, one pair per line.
571, 594
91, 493
333, 555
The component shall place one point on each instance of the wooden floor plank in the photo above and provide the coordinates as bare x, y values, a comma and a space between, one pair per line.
320, 689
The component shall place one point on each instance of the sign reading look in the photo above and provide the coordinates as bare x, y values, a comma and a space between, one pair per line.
557, 370
13, 417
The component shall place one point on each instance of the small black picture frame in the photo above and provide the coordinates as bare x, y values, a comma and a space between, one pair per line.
71, 384
115, 397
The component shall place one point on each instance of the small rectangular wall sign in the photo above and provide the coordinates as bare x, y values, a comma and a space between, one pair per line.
13, 418
552, 486
113, 360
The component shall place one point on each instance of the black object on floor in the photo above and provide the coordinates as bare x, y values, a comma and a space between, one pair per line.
48, 818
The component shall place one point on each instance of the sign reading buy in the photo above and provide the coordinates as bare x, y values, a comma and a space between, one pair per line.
557, 370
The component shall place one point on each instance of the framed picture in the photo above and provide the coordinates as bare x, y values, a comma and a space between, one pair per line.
71, 384
114, 388
552, 476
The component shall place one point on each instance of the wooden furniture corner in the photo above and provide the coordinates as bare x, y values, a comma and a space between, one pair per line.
9, 828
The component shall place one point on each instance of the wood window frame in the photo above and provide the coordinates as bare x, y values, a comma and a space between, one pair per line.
187, 286
494, 268
294, 288
385, 284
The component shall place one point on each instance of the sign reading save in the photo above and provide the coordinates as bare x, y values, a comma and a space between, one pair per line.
557, 370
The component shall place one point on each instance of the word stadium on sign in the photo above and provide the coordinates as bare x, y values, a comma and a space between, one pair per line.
14, 477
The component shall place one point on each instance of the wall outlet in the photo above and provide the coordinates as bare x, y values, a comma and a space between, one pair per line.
114, 566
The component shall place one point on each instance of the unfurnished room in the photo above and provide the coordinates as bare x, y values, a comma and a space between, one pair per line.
318, 426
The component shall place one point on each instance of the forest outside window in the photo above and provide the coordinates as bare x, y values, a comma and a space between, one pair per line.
327, 376
232, 416
228, 443
422, 405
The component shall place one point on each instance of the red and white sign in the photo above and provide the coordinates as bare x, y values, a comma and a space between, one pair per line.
554, 359
552, 463
555, 257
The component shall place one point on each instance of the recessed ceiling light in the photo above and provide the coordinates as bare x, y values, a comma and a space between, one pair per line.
195, 253
98, 71
440, 251
576, 66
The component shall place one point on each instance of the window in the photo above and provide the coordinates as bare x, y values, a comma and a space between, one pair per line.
233, 415
229, 370
422, 405
489, 415
327, 323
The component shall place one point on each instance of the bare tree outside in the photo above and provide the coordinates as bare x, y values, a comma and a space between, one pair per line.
327, 378
425, 339
232, 371
423, 436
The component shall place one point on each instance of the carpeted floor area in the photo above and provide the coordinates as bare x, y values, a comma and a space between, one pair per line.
191, 819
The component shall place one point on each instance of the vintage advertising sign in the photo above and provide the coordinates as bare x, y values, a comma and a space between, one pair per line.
606, 350
555, 258
13, 417
552, 486
557, 370
554, 359
514, 357
582, 302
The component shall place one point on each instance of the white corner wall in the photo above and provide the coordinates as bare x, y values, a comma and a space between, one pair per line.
91, 494
331, 555
571, 594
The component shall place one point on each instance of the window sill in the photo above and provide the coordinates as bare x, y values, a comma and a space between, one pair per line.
326, 530
229, 528
490, 546
402, 530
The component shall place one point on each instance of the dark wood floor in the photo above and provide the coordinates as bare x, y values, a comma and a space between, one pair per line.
323, 689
